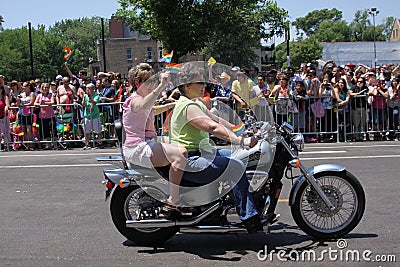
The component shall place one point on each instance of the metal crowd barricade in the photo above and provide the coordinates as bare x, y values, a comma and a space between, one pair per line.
64, 130
109, 112
340, 125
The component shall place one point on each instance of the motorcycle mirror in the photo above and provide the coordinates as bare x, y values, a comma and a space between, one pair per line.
288, 128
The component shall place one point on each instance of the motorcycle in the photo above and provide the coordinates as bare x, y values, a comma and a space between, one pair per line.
326, 201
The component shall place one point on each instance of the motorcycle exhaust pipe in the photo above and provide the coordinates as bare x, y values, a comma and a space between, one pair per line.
200, 229
162, 223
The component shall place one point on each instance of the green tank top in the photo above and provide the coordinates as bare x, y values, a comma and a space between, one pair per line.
183, 133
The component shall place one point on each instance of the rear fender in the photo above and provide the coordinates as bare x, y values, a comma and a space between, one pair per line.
313, 170
116, 174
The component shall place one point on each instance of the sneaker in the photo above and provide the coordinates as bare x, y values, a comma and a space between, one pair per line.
86, 147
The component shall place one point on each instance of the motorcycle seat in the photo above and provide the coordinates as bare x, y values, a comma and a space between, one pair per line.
164, 172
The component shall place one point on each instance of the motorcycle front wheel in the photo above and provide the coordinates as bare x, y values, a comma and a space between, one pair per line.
132, 203
312, 215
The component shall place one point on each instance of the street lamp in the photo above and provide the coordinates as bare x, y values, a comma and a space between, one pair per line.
374, 11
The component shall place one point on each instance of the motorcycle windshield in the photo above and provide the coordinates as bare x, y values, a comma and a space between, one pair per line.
221, 83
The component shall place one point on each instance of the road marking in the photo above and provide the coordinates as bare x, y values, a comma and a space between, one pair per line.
323, 152
283, 200
55, 166
334, 145
353, 157
52, 155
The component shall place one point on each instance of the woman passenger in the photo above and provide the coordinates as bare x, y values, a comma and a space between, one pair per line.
138, 120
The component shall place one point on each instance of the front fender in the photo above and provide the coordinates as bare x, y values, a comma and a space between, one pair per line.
313, 170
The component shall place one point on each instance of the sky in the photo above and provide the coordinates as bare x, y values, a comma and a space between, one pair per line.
18, 13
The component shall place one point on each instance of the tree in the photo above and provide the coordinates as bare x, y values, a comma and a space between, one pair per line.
1, 22
359, 25
387, 28
310, 23
337, 31
191, 26
301, 51
231, 38
80, 35
14, 56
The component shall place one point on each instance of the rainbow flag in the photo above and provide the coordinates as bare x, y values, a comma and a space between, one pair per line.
167, 57
68, 54
173, 67
240, 128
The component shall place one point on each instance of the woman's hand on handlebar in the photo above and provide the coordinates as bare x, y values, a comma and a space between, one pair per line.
250, 141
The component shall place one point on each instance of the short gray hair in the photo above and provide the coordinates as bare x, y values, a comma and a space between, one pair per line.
90, 86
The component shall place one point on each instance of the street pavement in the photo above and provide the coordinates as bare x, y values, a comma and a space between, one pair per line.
53, 213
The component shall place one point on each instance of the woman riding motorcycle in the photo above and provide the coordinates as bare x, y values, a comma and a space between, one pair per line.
191, 124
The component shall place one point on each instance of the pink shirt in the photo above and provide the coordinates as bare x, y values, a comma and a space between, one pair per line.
139, 126
48, 111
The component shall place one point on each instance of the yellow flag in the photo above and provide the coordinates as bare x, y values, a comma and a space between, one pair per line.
212, 61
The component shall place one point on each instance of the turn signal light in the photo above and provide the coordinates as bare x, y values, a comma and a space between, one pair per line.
295, 163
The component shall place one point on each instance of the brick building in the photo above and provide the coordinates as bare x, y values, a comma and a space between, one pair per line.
126, 48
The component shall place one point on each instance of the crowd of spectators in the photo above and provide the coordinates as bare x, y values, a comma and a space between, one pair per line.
327, 103
36, 114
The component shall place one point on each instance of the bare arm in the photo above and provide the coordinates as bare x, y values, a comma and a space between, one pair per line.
385, 94
158, 109
219, 120
148, 101
32, 100
68, 70
7, 103
198, 119
91, 69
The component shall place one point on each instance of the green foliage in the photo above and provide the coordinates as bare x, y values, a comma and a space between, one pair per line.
327, 26
387, 28
301, 51
227, 30
363, 29
337, 31
80, 35
310, 23
1, 22
14, 56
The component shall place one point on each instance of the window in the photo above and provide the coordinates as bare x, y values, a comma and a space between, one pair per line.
129, 54
149, 54
160, 53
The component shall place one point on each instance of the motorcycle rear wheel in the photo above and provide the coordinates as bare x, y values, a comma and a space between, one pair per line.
312, 215
124, 203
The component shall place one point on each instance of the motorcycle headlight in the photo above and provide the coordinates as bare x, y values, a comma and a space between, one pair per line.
298, 141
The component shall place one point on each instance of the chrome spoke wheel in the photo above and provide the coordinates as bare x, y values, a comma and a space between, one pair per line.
141, 206
318, 215
314, 217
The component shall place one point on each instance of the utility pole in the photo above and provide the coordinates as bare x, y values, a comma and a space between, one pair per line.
374, 11
104, 45
31, 49
287, 36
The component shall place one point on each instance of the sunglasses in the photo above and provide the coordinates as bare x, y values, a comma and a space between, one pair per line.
202, 83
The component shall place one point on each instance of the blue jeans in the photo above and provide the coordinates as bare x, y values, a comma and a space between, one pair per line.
209, 167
